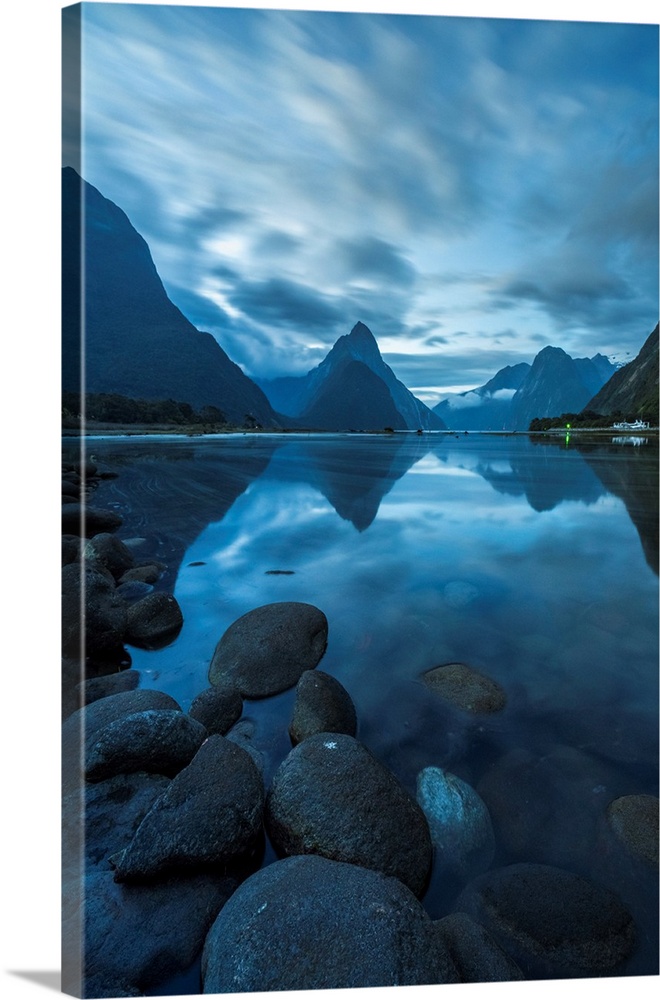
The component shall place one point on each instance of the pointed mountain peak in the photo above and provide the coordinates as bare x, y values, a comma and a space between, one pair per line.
361, 332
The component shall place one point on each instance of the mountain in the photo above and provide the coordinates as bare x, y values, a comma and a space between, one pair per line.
309, 398
137, 342
633, 389
487, 407
554, 384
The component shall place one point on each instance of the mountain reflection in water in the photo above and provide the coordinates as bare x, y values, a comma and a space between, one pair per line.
519, 556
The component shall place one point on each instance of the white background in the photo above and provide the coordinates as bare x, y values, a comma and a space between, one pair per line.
29, 573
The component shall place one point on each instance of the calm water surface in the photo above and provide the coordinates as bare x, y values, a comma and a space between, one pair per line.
533, 562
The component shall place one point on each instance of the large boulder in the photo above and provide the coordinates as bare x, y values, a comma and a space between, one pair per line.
154, 621
322, 705
217, 708
211, 814
476, 955
136, 937
553, 923
91, 613
158, 741
331, 796
268, 649
460, 824
308, 923
466, 688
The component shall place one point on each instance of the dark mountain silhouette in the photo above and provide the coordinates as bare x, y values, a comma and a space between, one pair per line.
352, 397
297, 397
487, 407
633, 389
137, 342
555, 384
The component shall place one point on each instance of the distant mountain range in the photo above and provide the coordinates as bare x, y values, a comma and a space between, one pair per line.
137, 343
553, 384
352, 388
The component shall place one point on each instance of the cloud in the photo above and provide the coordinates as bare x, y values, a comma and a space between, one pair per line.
284, 303
370, 257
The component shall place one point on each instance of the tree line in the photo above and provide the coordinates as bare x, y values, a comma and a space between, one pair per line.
111, 408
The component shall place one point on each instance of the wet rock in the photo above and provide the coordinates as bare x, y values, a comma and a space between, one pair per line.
476, 955
210, 814
154, 621
268, 649
322, 705
149, 573
110, 552
217, 708
243, 734
84, 724
111, 810
100, 687
133, 591
634, 821
460, 824
465, 688
159, 741
70, 491
552, 922
308, 923
104, 619
137, 936
79, 519
332, 797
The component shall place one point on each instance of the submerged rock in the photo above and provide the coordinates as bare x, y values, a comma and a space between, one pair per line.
476, 955
460, 824
217, 708
332, 797
210, 814
466, 688
552, 922
322, 705
268, 649
154, 621
634, 821
81, 519
308, 923
159, 741
101, 687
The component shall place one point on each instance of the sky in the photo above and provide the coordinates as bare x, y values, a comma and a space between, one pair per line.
473, 189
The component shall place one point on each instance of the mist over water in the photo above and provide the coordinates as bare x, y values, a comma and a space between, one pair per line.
534, 562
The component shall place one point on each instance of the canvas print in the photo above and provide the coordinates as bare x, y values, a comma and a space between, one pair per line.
359, 500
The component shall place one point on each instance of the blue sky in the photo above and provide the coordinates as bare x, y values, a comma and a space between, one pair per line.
473, 189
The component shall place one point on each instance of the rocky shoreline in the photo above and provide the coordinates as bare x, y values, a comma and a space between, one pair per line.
166, 814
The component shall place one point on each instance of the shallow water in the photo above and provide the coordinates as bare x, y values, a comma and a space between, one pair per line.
533, 561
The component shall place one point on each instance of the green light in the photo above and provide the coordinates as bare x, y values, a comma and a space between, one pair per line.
568, 427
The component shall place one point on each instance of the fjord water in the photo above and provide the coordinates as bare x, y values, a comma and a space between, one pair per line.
534, 561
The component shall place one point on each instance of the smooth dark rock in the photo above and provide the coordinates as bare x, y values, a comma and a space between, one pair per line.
154, 621
111, 812
104, 618
84, 724
79, 519
634, 821
70, 491
109, 551
460, 824
465, 688
211, 814
322, 705
332, 797
100, 687
552, 922
242, 734
268, 649
149, 573
159, 741
217, 708
137, 936
476, 955
133, 591
307, 923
